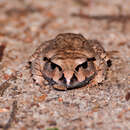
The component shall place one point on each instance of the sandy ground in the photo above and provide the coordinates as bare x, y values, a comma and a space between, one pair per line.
24, 25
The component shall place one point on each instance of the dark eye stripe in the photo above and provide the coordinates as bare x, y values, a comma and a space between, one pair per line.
60, 69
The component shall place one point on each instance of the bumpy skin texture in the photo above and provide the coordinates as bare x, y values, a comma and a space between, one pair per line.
69, 61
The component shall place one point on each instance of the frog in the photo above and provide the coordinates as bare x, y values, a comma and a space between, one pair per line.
69, 61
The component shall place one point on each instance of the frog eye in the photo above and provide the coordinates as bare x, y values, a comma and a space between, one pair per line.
84, 65
53, 66
45, 59
77, 68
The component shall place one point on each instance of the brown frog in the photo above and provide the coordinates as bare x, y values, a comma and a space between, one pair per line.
69, 61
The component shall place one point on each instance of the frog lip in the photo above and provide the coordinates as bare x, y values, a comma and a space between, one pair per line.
51, 82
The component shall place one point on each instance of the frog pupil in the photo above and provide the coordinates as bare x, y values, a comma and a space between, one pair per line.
53, 66
85, 65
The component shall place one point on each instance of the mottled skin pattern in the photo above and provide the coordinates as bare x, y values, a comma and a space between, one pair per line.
69, 61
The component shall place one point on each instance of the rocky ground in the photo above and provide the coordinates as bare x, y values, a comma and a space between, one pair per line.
24, 25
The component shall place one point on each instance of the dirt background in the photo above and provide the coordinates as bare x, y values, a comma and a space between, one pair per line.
24, 25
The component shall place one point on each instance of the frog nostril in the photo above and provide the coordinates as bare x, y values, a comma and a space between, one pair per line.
73, 79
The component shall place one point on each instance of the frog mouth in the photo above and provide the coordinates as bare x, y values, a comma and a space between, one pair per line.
63, 87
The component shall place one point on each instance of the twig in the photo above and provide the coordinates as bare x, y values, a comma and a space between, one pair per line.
82, 2
46, 23
117, 18
3, 87
12, 116
2, 48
